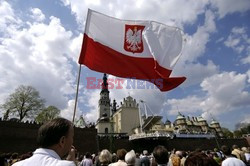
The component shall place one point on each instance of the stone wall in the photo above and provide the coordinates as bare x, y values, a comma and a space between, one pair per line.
177, 143
21, 137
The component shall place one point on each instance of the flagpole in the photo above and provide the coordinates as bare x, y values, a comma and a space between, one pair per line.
77, 88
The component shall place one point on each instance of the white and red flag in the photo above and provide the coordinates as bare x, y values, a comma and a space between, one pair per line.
145, 50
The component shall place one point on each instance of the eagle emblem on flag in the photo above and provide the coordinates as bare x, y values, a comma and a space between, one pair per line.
133, 38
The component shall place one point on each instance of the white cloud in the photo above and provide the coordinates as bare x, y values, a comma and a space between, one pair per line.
231, 42
38, 55
169, 12
226, 92
188, 105
75, 47
68, 111
238, 40
8, 21
92, 113
248, 74
196, 43
246, 60
196, 72
37, 14
194, 48
222, 93
225, 7
246, 119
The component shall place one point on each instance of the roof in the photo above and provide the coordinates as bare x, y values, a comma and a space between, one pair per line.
201, 119
80, 123
214, 122
179, 117
150, 121
167, 122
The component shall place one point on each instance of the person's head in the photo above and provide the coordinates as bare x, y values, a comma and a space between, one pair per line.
226, 150
80, 158
145, 152
160, 154
178, 153
130, 158
56, 134
137, 155
14, 156
121, 154
114, 158
199, 158
105, 157
235, 147
88, 155
245, 150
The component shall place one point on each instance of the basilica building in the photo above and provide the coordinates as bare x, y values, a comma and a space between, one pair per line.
127, 119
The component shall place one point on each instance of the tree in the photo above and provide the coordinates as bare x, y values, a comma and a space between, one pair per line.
227, 133
238, 133
24, 102
47, 114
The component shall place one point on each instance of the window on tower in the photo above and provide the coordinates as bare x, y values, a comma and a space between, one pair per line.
106, 130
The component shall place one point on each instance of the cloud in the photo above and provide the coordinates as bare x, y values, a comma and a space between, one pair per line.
225, 7
228, 95
92, 113
8, 21
68, 111
169, 12
239, 41
248, 74
194, 48
38, 55
197, 72
221, 93
246, 119
246, 60
188, 105
37, 14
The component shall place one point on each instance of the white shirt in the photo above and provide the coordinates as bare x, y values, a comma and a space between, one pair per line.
44, 157
119, 163
247, 155
231, 161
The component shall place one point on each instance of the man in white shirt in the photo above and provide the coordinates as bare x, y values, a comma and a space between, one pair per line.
230, 160
55, 140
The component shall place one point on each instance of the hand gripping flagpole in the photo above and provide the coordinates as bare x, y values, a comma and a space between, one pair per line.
77, 88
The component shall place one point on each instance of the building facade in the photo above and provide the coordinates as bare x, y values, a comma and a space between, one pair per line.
126, 119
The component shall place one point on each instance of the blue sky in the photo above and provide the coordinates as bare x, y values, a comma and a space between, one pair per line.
40, 44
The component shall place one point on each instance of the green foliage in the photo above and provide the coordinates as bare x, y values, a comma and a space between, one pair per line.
24, 102
47, 114
238, 134
227, 133
242, 131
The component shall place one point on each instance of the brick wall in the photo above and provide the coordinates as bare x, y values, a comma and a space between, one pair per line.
21, 138
178, 144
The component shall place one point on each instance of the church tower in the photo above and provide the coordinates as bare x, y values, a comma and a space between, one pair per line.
104, 101
103, 124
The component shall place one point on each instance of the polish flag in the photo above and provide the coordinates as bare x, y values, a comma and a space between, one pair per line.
145, 50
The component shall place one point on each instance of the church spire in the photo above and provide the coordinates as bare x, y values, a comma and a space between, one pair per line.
104, 83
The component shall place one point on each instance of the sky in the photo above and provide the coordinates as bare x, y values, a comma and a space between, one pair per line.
40, 43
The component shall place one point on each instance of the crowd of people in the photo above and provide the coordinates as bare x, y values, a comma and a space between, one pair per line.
55, 140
